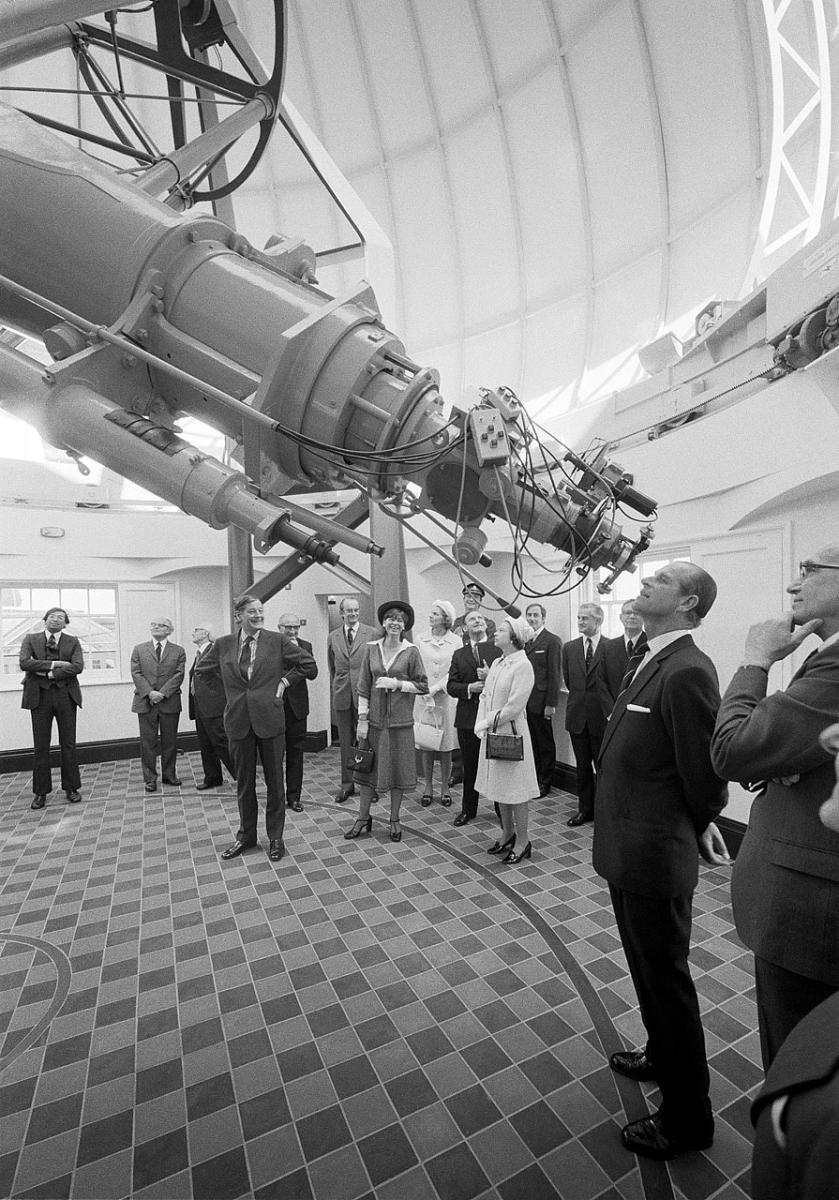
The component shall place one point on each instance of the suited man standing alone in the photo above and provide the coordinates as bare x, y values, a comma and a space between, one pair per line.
296, 706
589, 703
257, 667
344, 655
657, 796
51, 662
545, 653
158, 668
206, 706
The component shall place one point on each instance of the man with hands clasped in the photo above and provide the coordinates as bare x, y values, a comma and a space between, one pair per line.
785, 886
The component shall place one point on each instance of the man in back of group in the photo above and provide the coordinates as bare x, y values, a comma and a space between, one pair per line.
158, 668
344, 654
620, 649
785, 887
296, 705
657, 797
473, 598
206, 707
588, 704
545, 653
51, 662
467, 672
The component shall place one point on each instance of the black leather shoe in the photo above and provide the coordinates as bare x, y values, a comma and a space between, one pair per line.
202, 787
295, 806
173, 782
646, 1137
276, 849
462, 819
237, 848
38, 802
73, 797
151, 787
634, 1064
578, 819
345, 793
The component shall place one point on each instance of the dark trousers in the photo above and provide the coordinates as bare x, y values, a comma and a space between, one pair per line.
54, 702
586, 747
212, 742
544, 748
655, 933
295, 739
783, 999
470, 748
166, 724
270, 751
346, 719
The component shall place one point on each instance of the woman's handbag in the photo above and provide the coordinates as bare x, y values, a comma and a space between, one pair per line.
361, 759
428, 736
509, 746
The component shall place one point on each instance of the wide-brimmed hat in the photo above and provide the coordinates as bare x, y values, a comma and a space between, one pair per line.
403, 607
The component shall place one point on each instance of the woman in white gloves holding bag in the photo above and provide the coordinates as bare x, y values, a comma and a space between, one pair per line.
434, 731
509, 782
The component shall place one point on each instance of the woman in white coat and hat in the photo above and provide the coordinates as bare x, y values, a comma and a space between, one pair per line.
502, 709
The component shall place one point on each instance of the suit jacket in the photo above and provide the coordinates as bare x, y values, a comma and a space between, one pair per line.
588, 703
545, 655
165, 676
462, 672
656, 788
296, 696
616, 660
785, 884
806, 1071
35, 664
206, 691
252, 704
345, 663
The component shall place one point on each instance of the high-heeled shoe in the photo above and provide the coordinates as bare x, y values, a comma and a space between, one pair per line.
426, 799
395, 832
500, 847
361, 825
446, 800
514, 858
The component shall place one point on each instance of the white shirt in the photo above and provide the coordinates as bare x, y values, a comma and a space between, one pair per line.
655, 646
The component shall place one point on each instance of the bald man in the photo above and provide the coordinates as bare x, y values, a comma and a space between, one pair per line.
158, 668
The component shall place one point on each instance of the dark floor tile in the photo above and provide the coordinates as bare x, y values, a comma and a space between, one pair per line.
295, 1186
249, 1047
696, 1176
8, 1167
545, 1072
738, 1115
300, 1061
429, 1044
473, 1110
605, 1147
101, 1138
15, 1097
540, 1128
118, 1010
198, 1037
194, 989
529, 1184
551, 1028
327, 1020
303, 977
156, 1023
224, 1177
457, 972
386, 1154
554, 992
354, 1075
209, 1096
235, 998
396, 995
151, 980
161, 1157
410, 1092
53, 1189
159, 1080
378, 1031
741, 1071
456, 1174
55, 1117
323, 1132
486, 1057
264, 1113
350, 985
280, 1008
445, 1005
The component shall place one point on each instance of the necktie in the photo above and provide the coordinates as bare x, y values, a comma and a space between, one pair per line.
476, 653
158, 650
631, 667
589, 653
52, 644
245, 658
350, 636
630, 649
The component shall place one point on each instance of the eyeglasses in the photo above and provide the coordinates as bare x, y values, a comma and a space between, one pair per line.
808, 567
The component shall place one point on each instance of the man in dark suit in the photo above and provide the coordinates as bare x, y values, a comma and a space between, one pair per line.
657, 795
588, 704
206, 706
158, 668
51, 662
467, 672
545, 653
344, 654
619, 650
296, 705
257, 667
785, 887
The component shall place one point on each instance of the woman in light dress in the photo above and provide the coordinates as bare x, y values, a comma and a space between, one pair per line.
438, 708
509, 784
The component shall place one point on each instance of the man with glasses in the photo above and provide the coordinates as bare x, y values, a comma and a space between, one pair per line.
785, 887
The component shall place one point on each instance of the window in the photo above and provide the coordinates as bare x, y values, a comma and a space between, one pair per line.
93, 620
626, 587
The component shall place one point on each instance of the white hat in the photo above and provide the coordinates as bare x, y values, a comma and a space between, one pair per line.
520, 628
447, 608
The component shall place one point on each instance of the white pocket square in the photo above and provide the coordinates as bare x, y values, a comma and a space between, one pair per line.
637, 708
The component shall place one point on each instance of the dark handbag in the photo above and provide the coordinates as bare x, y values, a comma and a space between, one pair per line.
361, 759
509, 746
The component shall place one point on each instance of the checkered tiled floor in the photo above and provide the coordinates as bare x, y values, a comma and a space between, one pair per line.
361, 1020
